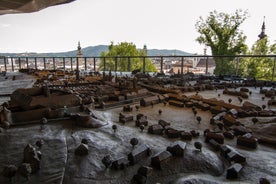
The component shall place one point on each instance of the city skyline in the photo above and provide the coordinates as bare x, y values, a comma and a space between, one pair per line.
159, 24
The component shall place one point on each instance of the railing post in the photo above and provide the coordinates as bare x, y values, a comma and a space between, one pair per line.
35, 63
71, 63
19, 63
5, 63
144, 64
237, 65
128, 64
12, 64
182, 65
27, 61
273, 70
44, 61
77, 70
94, 63
63, 59
104, 65
116, 64
161, 65
207, 63
54, 63
85, 64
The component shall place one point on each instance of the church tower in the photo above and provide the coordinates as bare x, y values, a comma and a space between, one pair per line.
262, 35
79, 55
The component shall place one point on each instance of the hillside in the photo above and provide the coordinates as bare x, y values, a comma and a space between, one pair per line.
95, 51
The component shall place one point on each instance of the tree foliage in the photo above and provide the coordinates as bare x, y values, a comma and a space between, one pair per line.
220, 31
259, 67
117, 58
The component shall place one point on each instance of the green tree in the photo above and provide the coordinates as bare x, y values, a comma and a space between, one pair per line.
260, 67
117, 55
220, 31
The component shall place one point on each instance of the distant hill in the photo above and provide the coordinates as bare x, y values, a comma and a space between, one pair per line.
95, 51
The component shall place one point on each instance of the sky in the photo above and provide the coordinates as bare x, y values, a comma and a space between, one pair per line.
158, 24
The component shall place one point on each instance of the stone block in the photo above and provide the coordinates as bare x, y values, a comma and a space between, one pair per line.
233, 171
177, 148
161, 158
120, 164
186, 136
219, 138
138, 154
155, 129
247, 140
234, 156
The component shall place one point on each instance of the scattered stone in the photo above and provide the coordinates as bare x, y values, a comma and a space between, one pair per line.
176, 103
145, 171
186, 136
177, 148
247, 140
39, 143
233, 171
194, 133
138, 154
161, 158
84, 141
9, 171
127, 108
214, 144
155, 129
107, 161
82, 150
138, 179
119, 164
229, 134
264, 181
219, 138
234, 156
125, 117
163, 123
25, 170
33, 157
141, 120
240, 130
172, 133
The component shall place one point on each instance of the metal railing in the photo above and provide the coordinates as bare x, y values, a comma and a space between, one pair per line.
176, 64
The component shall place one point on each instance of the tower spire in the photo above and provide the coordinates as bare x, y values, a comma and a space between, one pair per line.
262, 34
